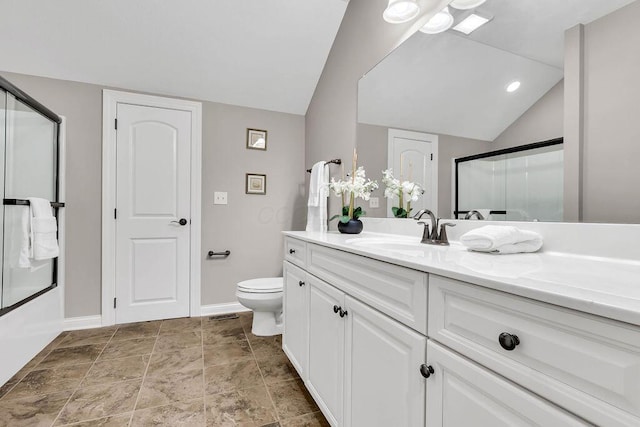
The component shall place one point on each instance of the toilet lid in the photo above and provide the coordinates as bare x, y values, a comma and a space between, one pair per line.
264, 285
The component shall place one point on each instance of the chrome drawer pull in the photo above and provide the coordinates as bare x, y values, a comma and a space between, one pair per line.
508, 341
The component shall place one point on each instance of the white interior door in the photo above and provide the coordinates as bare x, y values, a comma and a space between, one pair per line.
152, 197
414, 157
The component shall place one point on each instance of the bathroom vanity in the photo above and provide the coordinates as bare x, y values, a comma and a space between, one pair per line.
386, 331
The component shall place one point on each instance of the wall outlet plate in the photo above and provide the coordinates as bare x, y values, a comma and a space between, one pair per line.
220, 198
374, 202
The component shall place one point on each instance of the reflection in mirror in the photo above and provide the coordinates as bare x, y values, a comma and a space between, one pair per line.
503, 86
519, 184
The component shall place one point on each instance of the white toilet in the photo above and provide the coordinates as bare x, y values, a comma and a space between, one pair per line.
264, 298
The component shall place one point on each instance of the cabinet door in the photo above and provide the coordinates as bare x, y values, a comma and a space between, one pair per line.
296, 320
383, 384
461, 393
326, 349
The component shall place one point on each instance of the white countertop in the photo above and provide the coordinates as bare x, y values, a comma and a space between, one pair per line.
603, 286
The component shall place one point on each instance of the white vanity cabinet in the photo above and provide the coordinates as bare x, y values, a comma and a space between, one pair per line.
460, 393
362, 366
388, 345
296, 297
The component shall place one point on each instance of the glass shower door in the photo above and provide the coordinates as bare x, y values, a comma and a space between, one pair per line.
30, 151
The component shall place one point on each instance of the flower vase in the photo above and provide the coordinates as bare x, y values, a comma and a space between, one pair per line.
354, 226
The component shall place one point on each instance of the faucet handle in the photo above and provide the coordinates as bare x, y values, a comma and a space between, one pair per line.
425, 233
443, 232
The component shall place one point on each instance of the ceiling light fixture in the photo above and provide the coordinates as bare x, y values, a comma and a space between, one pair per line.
471, 23
513, 86
399, 11
440, 22
466, 4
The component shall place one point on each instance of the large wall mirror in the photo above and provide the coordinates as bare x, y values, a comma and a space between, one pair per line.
529, 74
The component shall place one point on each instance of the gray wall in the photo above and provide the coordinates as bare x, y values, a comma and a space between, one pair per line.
611, 122
541, 122
250, 226
363, 39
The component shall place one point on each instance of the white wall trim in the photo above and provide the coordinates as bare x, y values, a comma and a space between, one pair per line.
110, 100
418, 136
82, 322
225, 308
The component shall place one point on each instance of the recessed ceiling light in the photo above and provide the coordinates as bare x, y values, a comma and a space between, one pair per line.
440, 22
399, 11
466, 4
513, 86
471, 23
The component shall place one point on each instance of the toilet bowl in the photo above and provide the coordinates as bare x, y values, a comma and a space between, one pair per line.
264, 298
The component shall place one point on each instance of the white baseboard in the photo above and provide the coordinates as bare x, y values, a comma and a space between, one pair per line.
83, 322
226, 308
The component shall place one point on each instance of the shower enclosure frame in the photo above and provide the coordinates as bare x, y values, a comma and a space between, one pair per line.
26, 99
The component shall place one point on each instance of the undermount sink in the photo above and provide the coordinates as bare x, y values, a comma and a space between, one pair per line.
406, 246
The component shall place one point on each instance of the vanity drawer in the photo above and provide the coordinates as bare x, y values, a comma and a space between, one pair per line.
295, 251
399, 292
586, 364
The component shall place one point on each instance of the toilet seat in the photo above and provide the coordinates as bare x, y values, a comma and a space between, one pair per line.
261, 286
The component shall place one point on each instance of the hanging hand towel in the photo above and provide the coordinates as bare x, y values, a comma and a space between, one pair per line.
501, 239
44, 242
317, 203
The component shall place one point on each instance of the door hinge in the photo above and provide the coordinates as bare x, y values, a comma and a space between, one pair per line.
431, 156
115, 214
114, 303
115, 123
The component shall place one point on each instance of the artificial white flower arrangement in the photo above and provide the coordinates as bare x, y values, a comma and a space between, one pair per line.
355, 186
402, 190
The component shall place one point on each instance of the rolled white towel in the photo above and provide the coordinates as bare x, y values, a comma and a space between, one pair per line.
502, 239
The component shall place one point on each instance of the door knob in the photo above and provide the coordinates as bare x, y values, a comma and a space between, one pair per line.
182, 221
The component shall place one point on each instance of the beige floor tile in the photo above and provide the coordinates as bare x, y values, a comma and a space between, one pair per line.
137, 330
132, 347
292, 399
163, 364
232, 352
265, 347
8, 386
220, 337
116, 370
113, 421
221, 326
171, 388
87, 336
71, 356
189, 414
34, 411
100, 401
315, 419
233, 376
45, 381
177, 326
277, 368
178, 341
246, 407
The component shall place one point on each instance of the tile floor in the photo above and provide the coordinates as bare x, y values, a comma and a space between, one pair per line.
179, 372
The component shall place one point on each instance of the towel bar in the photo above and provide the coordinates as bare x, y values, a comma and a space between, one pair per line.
23, 202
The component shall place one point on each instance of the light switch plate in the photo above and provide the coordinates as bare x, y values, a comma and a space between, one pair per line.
220, 198
374, 202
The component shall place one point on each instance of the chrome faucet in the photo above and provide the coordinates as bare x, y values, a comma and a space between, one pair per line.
434, 233
473, 212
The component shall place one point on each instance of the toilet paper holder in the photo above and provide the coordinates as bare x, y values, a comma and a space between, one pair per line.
225, 254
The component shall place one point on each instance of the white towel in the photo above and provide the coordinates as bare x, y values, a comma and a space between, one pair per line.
501, 239
44, 242
317, 203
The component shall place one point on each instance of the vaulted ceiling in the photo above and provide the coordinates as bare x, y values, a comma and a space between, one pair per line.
266, 54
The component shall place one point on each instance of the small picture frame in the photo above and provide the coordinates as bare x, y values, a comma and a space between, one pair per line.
256, 139
256, 183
